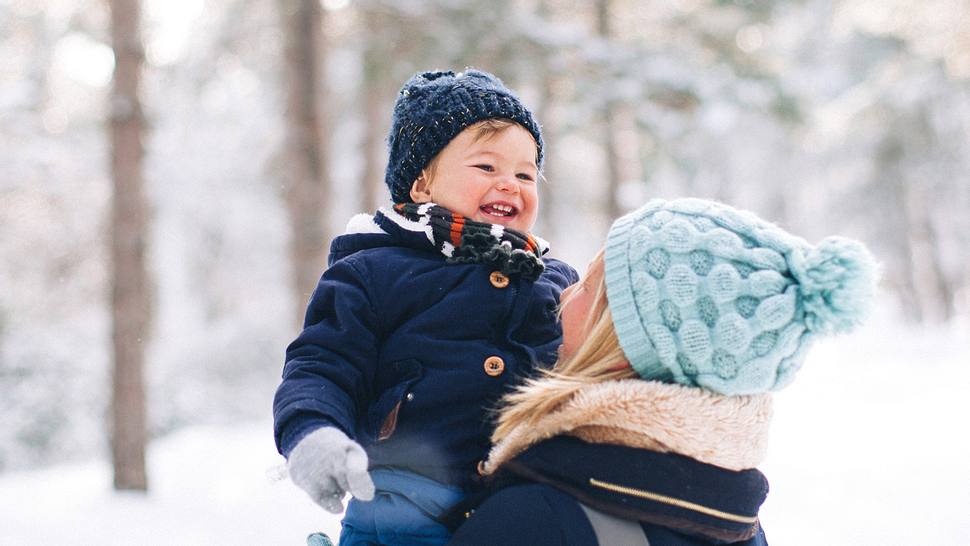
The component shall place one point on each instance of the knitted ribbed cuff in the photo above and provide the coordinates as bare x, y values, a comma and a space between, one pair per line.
634, 341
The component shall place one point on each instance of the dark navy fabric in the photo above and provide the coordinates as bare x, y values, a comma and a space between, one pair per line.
541, 515
558, 473
389, 325
530, 515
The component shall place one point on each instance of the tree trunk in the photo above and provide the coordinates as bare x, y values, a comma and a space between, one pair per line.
933, 290
614, 174
130, 305
932, 287
888, 174
375, 116
306, 184
550, 189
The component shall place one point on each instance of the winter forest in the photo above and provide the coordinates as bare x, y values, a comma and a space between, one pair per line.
171, 172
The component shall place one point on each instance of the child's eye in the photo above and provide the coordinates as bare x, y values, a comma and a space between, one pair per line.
485, 167
525, 176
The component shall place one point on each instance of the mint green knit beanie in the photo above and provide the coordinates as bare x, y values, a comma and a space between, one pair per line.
706, 295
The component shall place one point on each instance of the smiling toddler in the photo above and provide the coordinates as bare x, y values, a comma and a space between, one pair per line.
429, 310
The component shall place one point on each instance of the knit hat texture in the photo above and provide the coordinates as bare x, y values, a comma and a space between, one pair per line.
706, 295
432, 108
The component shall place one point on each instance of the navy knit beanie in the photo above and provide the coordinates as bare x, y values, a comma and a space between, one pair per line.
432, 108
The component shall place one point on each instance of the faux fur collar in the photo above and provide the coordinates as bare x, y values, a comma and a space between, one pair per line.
362, 223
726, 431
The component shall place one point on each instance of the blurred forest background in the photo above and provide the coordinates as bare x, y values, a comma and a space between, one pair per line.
262, 126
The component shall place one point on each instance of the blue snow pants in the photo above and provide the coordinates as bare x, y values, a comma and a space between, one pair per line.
402, 512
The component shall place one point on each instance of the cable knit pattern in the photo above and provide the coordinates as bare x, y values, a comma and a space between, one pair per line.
705, 295
726, 431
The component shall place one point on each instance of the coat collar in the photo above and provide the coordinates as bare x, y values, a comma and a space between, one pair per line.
726, 431
385, 228
665, 489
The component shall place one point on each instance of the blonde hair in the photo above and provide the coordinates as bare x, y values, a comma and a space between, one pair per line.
598, 358
485, 129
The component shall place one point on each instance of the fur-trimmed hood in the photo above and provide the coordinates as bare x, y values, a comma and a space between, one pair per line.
726, 431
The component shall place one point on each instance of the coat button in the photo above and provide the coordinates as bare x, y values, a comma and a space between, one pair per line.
409, 397
498, 279
494, 366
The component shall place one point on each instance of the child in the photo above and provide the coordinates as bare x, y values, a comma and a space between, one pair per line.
429, 310
649, 428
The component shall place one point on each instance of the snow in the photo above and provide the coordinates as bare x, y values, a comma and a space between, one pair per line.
866, 445
865, 450
207, 485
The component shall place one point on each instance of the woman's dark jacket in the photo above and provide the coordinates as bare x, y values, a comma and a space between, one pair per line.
548, 495
654, 463
405, 352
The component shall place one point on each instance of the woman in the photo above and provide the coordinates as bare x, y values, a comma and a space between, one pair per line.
649, 428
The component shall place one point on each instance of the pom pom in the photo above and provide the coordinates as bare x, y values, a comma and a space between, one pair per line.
836, 282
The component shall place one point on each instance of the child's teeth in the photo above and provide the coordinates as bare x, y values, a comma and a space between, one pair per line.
498, 210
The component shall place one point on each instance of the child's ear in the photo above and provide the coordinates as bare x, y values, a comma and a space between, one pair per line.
421, 190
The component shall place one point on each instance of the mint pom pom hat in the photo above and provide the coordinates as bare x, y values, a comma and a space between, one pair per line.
705, 295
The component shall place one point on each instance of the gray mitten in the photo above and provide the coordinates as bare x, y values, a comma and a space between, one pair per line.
327, 464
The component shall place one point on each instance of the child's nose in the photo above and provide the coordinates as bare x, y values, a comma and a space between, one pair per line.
508, 183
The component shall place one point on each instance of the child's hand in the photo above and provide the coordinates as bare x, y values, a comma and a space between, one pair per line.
327, 464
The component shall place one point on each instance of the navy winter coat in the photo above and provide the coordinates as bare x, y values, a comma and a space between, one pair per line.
548, 495
406, 353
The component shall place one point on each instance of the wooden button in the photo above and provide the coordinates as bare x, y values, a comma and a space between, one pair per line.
494, 366
498, 279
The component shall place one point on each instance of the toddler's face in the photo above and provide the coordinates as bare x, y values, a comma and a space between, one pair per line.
577, 302
492, 179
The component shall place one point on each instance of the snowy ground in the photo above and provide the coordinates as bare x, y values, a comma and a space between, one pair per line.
866, 447
866, 450
208, 486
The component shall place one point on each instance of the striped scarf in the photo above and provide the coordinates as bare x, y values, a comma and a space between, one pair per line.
465, 241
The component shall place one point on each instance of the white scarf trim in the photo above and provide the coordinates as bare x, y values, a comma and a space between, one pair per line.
421, 226
365, 223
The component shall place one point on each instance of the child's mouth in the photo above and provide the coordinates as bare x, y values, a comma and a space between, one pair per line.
500, 210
